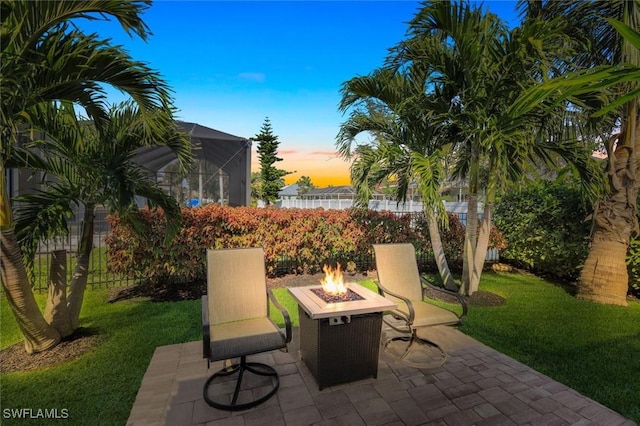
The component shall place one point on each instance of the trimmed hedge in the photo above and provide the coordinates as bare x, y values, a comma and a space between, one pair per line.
294, 240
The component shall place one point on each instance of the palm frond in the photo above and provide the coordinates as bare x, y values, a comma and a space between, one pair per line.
25, 23
40, 216
44, 59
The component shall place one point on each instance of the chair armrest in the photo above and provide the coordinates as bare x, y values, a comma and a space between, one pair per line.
285, 314
383, 290
463, 303
206, 337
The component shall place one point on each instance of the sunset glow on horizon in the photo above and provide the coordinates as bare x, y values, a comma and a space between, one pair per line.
325, 168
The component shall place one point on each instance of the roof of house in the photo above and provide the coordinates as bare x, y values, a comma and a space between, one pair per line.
330, 191
212, 145
344, 191
289, 190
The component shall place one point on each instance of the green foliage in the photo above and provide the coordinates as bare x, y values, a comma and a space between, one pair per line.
86, 166
306, 238
256, 188
81, 68
444, 97
304, 185
633, 265
452, 238
546, 229
270, 176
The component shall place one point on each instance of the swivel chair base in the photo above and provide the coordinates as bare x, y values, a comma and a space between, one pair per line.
419, 352
241, 368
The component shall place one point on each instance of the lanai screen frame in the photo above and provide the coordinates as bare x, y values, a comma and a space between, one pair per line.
228, 152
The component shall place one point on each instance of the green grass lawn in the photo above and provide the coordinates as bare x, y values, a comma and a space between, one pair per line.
100, 387
591, 348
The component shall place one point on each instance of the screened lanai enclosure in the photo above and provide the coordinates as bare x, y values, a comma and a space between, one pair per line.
221, 173
219, 157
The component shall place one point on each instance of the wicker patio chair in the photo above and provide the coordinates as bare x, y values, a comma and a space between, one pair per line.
236, 324
400, 281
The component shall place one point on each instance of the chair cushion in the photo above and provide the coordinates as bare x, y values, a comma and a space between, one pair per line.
428, 314
234, 339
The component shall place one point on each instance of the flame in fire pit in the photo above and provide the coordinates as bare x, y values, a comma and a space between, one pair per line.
333, 282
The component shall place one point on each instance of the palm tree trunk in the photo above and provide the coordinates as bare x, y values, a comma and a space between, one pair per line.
604, 277
438, 253
81, 270
38, 334
471, 230
482, 247
484, 234
56, 313
470, 246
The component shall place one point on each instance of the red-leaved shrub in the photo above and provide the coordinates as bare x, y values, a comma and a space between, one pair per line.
294, 240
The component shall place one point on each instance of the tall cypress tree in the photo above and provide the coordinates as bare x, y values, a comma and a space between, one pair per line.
271, 177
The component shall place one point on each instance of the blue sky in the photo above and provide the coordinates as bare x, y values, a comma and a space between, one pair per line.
233, 63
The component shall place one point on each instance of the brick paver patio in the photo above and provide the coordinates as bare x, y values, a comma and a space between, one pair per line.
476, 386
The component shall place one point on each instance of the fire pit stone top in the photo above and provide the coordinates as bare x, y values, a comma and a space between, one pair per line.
317, 308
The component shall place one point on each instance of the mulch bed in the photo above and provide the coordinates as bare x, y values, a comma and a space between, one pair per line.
83, 340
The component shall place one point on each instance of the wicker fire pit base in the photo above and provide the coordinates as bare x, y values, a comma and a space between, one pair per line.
343, 352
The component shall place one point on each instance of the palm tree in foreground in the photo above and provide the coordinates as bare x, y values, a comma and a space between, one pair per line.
87, 168
465, 69
44, 59
392, 108
605, 84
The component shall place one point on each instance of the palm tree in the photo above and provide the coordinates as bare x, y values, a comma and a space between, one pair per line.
392, 107
455, 48
474, 69
87, 168
45, 59
604, 84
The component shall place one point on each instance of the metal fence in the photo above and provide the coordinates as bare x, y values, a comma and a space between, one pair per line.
98, 275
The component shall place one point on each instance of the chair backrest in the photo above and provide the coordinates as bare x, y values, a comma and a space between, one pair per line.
236, 284
398, 269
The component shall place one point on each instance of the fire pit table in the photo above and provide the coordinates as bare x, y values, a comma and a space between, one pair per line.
340, 340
